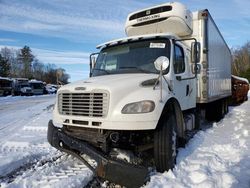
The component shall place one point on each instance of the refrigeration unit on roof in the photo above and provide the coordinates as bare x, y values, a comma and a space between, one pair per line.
167, 18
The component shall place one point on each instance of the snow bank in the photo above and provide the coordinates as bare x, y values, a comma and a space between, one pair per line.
217, 157
26, 158
240, 78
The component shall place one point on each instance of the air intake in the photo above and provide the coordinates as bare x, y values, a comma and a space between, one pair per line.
83, 104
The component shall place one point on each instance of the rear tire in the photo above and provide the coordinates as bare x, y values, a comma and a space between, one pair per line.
226, 106
165, 143
216, 110
197, 115
13, 93
246, 98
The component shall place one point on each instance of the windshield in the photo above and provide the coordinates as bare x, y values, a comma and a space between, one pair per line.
37, 85
133, 57
25, 85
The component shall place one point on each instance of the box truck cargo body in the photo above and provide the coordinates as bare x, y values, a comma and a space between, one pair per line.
146, 92
214, 80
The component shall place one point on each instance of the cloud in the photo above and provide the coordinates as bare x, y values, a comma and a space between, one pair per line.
71, 21
97, 21
7, 40
61, 57
242, 7
40, 26
57, 57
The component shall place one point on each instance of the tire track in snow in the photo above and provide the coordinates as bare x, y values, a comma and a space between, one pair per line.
10, 177
60, 171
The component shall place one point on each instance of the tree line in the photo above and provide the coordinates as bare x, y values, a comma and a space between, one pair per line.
241, 61
21, 63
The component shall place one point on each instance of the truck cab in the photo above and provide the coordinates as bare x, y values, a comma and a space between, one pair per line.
136, 83
21, 86
37, 87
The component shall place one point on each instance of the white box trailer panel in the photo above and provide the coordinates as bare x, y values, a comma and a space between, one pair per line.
214, 80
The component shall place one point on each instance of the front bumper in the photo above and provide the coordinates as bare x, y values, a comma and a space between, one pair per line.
108, 169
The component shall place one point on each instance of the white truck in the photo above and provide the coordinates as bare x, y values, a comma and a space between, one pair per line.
37, 87
145, 93
21, 86
5, 86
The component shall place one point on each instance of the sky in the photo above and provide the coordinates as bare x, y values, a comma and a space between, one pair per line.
65, 32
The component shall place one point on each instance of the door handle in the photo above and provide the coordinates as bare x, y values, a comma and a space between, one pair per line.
187, 90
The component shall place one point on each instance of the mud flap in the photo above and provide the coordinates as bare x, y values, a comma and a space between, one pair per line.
109, 169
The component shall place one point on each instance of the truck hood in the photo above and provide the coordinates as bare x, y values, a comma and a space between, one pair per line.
120, 82
24, 89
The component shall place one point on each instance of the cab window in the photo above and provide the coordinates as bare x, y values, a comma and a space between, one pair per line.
179, 60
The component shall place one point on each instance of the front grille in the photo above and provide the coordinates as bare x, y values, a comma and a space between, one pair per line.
83, 104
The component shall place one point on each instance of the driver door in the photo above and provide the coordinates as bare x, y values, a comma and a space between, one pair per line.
182, 87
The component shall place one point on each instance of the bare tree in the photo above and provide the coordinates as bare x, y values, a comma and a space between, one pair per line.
38, 70
10, 55
62, 76
241, 61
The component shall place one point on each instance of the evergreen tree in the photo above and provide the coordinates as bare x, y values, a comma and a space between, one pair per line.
26, 58
4, 67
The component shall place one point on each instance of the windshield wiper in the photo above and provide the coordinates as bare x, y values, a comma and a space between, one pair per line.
137, 68
102, 70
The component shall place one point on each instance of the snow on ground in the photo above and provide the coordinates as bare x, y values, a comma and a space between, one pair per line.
26, 158
215, 157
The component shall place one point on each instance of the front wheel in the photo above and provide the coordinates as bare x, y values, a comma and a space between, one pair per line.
165, 144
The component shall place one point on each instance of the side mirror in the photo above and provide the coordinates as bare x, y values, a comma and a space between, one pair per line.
161, 63
195, 52
92, 59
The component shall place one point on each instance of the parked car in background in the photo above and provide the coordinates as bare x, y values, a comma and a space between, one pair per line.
51, 88
5, 86
25, 89
21, 86
240, 88
37, 87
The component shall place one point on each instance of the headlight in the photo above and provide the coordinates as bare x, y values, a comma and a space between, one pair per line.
138, 107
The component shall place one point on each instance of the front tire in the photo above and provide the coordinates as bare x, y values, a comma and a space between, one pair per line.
165, 143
